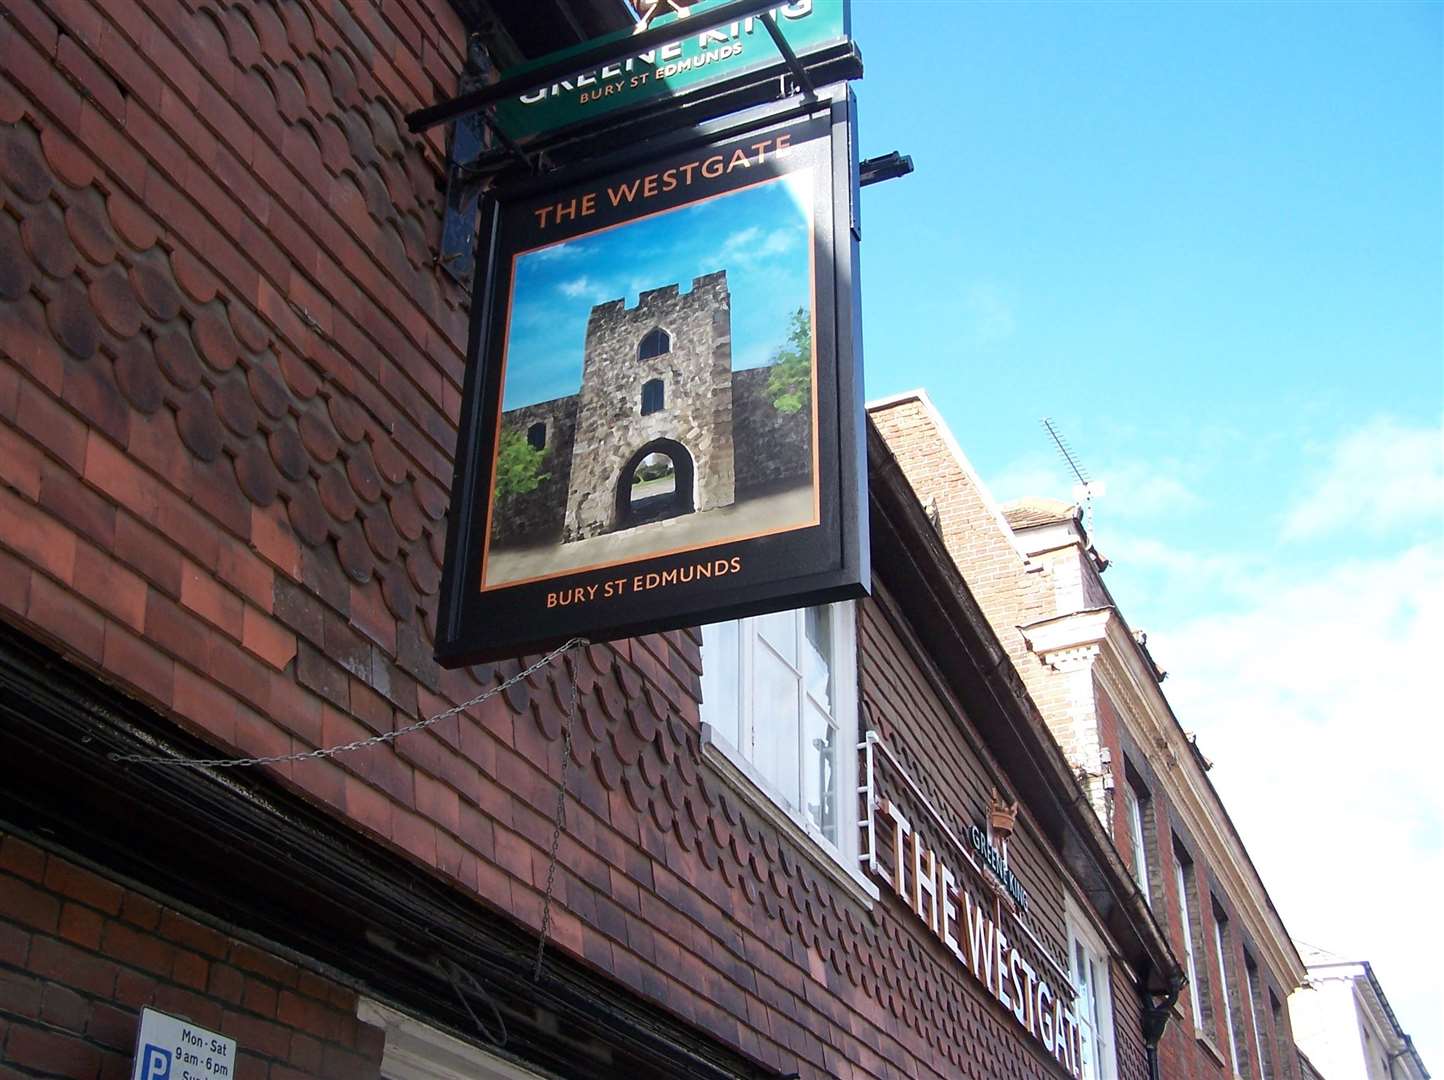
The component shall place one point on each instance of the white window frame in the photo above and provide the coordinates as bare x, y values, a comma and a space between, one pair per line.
839, 859
1093, 1005
1181, 874
1133, 807
1218, 931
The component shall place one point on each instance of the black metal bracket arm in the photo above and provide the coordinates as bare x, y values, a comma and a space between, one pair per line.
794, 65
883, 167
457, 254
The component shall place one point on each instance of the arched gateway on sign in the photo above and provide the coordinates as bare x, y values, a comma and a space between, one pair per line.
656, 483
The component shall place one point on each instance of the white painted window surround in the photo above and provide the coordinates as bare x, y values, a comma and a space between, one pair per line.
1225, 983
1251, 977
779, 712
1138, 840
1190, 962
1088, 970
417, 1051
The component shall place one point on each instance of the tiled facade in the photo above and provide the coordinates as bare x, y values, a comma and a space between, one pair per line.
229, 382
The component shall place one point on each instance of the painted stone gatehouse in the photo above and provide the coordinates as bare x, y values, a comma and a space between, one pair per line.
657, 383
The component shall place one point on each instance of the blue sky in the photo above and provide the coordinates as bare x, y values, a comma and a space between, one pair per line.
759, 235
1205, 239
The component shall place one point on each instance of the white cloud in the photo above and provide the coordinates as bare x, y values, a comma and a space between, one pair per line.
1383, 476
1035, 474
1318, 702
990, 313
1154, 490
1130, 490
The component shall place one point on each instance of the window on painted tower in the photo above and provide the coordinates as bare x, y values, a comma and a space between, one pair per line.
655, 343
1088, 971
1135, 809
779, 700
1256, 1015
1225, 980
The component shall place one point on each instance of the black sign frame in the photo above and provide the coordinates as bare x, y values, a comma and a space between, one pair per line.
819, 563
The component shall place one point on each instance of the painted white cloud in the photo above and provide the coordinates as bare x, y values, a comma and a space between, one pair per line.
750, 246
557, 252
1383, 476
578, 287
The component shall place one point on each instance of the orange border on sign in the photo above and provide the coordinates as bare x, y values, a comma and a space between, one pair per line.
505, 358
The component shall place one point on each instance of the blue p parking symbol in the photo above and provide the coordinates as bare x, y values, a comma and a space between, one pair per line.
155, 1064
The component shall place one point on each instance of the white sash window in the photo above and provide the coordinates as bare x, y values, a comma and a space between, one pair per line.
1088, 971
779, 699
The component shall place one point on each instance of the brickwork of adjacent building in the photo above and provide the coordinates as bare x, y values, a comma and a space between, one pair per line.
81, 955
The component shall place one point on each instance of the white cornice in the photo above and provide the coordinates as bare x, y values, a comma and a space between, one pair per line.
1099, 636
1081, 629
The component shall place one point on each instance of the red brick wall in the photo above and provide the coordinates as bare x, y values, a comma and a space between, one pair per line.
81, 955
229, 377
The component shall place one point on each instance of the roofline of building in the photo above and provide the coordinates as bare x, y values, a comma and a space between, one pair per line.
1286, 950
1376, 991
988, 685
1403, 1036
950, 441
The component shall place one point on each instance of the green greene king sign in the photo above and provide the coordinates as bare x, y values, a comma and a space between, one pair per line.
690, 63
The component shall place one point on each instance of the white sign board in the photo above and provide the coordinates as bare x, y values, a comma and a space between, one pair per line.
168, 1048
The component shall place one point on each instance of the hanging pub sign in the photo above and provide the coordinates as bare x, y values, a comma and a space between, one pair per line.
698, 58
661, 422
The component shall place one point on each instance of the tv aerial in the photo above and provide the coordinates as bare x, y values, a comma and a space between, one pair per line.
1086, 489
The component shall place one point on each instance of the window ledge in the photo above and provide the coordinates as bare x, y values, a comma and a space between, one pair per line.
740, 777
1213, 1051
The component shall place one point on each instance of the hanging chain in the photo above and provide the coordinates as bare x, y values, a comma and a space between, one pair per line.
541, 944
374, 740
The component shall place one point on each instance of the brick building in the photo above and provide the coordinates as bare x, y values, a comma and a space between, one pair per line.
1037, 577
229, 382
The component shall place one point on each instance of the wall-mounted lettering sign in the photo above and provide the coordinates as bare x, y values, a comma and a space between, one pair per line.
911, 848
693, 61
661, 421
996, 862
169, 1048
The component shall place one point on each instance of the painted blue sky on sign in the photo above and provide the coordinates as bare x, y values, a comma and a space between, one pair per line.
759, 235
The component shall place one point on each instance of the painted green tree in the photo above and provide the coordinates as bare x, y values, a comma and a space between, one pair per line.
518, 466
789, 386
